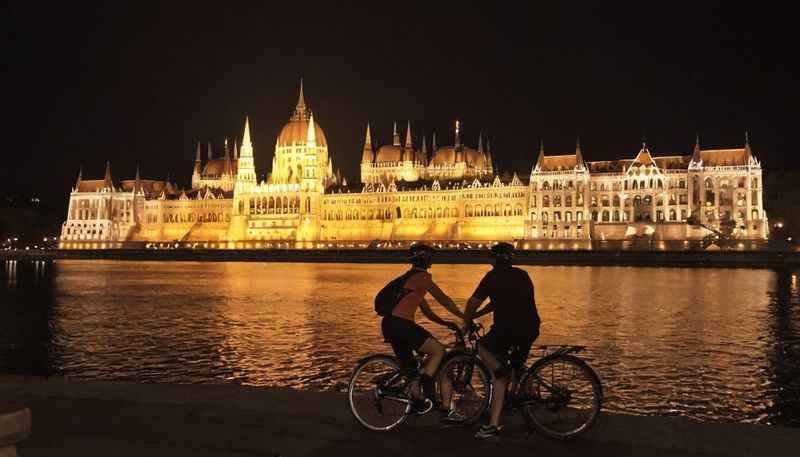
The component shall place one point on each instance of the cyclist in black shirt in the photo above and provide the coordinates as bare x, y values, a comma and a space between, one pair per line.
516, 325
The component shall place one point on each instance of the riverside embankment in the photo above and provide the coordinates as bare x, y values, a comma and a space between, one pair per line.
127, 419
729, 259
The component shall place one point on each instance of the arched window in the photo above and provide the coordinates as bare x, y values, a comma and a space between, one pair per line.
605, 215
568, 201
616, 216
604, 200
637, 200
468, 211
546, 201
673, 216
533, 201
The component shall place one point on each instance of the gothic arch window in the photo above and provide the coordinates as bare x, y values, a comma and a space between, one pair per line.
615, 218
568, 201
605, 215
673, 216
533, 201
468, 211
546, 201
637, 201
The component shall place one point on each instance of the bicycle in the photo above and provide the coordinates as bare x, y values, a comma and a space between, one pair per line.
551, 401
381, 395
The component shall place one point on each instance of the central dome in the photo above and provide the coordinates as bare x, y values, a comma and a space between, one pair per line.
296, 130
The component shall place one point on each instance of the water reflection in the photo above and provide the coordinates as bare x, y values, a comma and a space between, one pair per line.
707, 343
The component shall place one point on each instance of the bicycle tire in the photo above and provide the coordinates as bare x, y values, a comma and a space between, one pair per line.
367, 399
543, 406
464, 392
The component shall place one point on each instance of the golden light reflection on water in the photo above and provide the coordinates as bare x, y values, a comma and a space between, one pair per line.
707, 343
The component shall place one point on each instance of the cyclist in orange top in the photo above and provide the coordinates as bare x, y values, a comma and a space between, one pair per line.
406, 336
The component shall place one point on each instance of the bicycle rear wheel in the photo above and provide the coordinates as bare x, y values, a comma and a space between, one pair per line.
472, 386
377, 393
560, 396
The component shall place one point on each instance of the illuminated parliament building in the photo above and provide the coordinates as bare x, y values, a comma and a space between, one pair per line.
408, 191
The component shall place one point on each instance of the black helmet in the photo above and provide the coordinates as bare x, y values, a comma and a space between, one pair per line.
420, 254
504, 251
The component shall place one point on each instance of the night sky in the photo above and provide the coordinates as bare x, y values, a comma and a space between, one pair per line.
130, 84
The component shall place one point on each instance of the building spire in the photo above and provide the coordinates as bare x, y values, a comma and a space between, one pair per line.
747, 144
138, 180
424, 152
210, 155
225, 148
433, 144
489, 153
540, 160
311, 136
198, 152
301, 110
409, 144
395, 136
696, 151
480, 142
235, 150
301, 100
457, 143
80, 176
366, 156
247, 146
108, 183
578, 153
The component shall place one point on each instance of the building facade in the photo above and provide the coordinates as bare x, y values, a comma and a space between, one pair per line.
453, 194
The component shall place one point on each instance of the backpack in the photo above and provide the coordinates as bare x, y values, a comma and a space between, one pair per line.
391, 294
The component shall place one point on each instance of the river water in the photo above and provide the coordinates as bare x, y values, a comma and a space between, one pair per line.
711, 344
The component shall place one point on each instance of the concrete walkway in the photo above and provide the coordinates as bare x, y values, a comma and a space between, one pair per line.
128, 419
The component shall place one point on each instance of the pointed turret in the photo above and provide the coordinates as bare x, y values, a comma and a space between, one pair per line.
395, 136
579, 154
197, 154
433, 144
540, 159
311, 133
424, 153
247, 146
80, 177
210, 155
696, 158
489, 154
108, 183
301, 111
137, 184
747, 144
457, 143
480, 142
408, 149
245, 169
366, 155
226, 152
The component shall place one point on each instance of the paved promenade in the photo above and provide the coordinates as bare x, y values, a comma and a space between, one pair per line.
127, 419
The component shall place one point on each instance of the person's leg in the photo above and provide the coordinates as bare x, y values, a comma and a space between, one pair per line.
435, 351
446, 389
499, 384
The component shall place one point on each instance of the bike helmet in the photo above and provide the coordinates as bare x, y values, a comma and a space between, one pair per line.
502, 251
420, 254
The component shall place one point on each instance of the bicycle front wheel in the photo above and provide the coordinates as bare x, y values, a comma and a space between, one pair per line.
471, 385
377, 393
561, 396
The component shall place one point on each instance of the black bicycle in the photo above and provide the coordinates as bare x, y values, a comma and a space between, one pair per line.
560, 396
381, 395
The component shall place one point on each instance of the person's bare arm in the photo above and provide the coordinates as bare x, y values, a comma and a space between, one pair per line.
489, 308
444, 300
425, 307
472, 306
